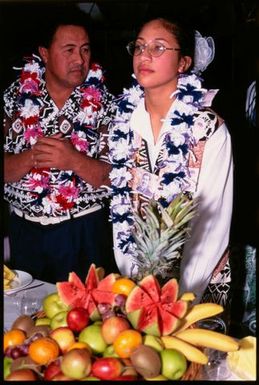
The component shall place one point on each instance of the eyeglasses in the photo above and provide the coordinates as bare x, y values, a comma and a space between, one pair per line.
154, 48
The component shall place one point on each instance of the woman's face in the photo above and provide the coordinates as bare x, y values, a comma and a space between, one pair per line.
155, 72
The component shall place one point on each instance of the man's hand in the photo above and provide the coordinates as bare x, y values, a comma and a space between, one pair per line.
54, 151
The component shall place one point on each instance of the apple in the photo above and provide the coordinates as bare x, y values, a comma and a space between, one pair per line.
61, 377
42, 321
7, 366
90, 378
109, 352
174, 364
52, 370
127, 377
92, 335
77, 319
76, 363
129, 369
52, 305
107, 368
59, 319
64, 337
112, 326
153, 341
22, 375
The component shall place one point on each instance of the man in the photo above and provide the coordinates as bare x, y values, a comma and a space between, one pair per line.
55, 164
143, 187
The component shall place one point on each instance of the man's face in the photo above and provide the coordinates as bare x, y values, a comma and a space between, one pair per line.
67, 59
145, 181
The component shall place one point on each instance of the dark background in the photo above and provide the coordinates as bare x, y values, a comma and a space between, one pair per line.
234, 27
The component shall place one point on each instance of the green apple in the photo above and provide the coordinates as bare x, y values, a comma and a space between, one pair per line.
153, 341
59, 319
174, 364
92, 335
42, 321
52, 305
7, 366
109, 352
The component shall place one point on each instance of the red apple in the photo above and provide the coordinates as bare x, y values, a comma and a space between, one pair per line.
64, 337
52, 370
77, 319
107, 368
127, 377
112, 326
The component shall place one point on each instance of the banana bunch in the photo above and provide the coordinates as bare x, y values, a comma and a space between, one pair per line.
9, 276
188, 339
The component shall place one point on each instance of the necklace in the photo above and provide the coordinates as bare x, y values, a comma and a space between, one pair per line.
30, 102
52, 199
182, 135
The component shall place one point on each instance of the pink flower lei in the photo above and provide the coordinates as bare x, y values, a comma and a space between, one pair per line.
31, 104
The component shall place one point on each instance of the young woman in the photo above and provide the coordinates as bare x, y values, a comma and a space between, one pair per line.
164, 127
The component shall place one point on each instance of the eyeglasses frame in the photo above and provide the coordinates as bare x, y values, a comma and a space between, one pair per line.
145, 45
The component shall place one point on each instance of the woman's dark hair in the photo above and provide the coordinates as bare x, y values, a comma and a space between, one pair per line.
62, 17
183, 33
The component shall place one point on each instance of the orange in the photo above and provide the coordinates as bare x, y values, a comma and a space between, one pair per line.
126, 342
123, 286
43, 350
14, 337
79, 345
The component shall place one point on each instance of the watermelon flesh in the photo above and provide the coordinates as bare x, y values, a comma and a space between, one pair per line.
88, 295
155, 310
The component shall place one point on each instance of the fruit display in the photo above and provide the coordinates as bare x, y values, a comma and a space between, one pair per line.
112, 328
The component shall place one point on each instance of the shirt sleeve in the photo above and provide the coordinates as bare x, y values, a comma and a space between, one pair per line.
210, 228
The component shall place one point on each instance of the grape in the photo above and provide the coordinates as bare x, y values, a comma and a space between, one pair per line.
120, 300
24, 349
108, 314
8, 351
104, 307
16, 352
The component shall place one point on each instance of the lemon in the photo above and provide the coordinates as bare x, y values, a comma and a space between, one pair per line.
243, 361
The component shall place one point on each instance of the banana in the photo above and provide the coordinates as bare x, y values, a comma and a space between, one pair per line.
198, 312
209, 339
188, 296
190, 352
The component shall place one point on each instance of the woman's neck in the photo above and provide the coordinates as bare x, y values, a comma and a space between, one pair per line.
157, 105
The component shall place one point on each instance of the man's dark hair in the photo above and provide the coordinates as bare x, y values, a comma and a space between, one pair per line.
62, 16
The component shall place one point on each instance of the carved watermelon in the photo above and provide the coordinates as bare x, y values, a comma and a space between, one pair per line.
154, 310
88, 295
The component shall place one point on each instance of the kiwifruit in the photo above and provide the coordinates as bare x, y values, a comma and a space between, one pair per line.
146, 361
23, 322
42, 329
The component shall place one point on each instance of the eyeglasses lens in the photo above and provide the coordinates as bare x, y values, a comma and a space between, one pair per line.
154, 49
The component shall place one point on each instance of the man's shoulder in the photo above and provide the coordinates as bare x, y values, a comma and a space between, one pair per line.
12, 90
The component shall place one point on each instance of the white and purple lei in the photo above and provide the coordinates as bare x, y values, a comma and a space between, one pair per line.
183, 134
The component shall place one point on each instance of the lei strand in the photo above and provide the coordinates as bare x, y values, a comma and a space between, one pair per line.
182, 135
29, 109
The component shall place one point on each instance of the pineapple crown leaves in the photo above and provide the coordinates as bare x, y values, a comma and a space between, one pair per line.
160, 233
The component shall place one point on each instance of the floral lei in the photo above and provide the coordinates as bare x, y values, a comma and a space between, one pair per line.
30, 104
177, 144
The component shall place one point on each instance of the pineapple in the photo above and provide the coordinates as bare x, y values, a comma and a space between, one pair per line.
159, 237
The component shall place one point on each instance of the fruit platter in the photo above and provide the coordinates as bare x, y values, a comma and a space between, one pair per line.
111, 327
